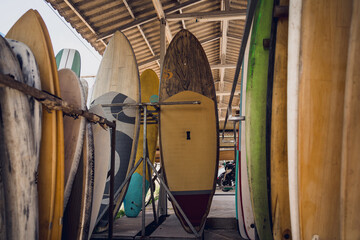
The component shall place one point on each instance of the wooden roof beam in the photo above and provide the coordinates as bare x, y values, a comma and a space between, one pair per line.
225, 7
140, 30
209, 16
219, 93
82, 18
220, 66
161, 15
149, 18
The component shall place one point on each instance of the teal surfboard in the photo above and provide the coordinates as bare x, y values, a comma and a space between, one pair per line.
255, 126
69, 58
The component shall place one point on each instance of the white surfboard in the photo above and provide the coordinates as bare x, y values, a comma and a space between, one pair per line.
101, 165
293, 73
19, 156
74, 129
31, 76
118, 81
248, 216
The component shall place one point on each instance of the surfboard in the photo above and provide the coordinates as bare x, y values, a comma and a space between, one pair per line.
118, 81
293, 74
280, 208
238, 194
74, 129
323, 61
243, 180
19, 156
85, 87
29, 30
102, 152
69, 58
256, 97
78, 210
31, 76
350, 167
189, 133
133, 200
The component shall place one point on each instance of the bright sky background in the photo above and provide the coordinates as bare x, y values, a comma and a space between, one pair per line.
60, 34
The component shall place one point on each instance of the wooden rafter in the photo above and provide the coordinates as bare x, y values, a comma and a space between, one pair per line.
140, 30
73, 8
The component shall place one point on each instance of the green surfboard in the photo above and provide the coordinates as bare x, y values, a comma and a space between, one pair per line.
256, 94
69, 58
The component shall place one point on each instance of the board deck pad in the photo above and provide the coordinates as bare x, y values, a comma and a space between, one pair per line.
125, 129
31, 30
19, 155
188, 133
133, 199
256, 97
69, 58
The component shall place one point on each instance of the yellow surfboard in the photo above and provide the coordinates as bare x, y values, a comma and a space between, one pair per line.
350, 165
31, 30
325, 28
149, 83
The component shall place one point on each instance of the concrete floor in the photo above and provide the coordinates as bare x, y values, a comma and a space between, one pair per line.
221, 223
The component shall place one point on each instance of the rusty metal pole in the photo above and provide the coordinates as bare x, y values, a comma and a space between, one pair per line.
112, 169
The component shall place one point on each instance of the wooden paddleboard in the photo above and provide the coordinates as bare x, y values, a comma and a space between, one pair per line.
256, 97
189, 133
74, 129
78, 210
279, 168
149, 82
350, 167
243, 180
69, 58
102, 152
293, 72
118, 81
18, 155
323, 61
29, 30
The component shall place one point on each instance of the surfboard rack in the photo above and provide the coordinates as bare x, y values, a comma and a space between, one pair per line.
52, 102
150, 118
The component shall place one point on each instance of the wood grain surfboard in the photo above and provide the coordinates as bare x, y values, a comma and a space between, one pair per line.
323, 60
189, 133
118, 81
30, 30
350, 167
256, 97
74, 129
149, 82
18, 155
278, 153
